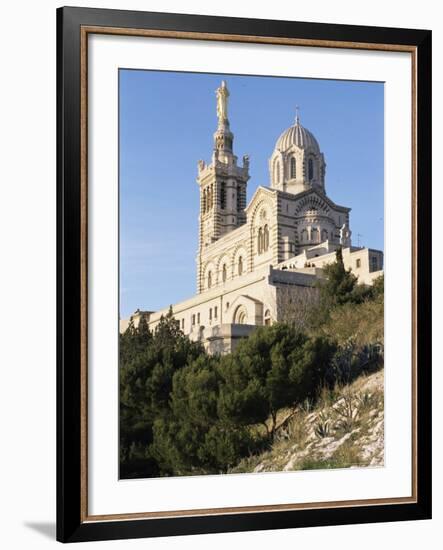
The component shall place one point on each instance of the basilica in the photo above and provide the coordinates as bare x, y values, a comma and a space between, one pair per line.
256, 259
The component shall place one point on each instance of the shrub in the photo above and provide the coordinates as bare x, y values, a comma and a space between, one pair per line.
310, 365
216, 401
322, 426
194, 438
257, 376
148, 362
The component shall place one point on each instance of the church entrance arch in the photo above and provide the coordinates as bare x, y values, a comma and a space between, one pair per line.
240, 315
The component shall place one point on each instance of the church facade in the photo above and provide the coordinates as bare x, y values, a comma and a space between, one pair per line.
255, 259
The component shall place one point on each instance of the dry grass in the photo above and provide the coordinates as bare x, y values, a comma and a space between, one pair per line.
363, 323
343, 430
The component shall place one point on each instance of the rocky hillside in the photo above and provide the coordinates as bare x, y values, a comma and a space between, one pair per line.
345, 429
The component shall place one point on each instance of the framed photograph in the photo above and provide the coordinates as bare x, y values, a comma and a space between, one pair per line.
244, 274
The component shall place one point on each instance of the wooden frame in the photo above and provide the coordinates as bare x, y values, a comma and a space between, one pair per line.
73, 26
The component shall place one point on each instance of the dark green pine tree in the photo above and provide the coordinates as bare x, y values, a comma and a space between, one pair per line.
148, 361
168, 332
338, 286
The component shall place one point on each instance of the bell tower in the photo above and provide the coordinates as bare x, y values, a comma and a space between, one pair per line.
222, 185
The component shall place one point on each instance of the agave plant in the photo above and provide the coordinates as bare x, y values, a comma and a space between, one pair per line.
347, 414
322, 426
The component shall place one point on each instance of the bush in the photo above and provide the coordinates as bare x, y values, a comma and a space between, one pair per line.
310, 369
256, 377
194, 439
148, 362
216, 401
338, 287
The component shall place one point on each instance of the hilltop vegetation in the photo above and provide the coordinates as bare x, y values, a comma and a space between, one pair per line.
345, 428
183, 412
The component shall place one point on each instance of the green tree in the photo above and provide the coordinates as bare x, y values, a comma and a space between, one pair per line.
193, 439
217, 402
378, 288
148, 363
135, 434
311, 367
339, 283
256, 376
134, 340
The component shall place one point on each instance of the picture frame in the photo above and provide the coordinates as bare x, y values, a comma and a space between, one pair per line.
74, 27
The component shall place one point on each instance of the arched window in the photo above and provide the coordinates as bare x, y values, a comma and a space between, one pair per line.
224, 273
277, 172
240, 266
239, 201
260, 241
267, 318
265, 238
209, 279
310, 169
293, 171
223, 195
314, 235
240, 316
324, 235
304, 236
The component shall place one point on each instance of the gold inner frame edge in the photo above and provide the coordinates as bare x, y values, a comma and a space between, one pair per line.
84, 32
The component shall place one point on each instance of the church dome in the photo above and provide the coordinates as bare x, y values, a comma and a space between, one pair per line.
299, 136
297, 164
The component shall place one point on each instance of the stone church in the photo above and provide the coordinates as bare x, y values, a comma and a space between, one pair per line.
256, 261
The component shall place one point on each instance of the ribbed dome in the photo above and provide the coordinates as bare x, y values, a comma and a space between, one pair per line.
300, 137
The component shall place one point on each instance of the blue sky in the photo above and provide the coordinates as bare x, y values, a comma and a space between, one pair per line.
167, 121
